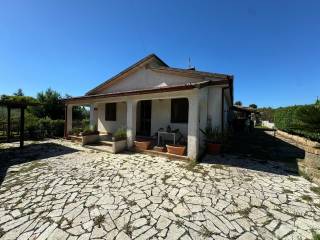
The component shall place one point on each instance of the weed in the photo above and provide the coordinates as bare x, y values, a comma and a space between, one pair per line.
131, 203
306, 198
179, 223
217, 166
244, 212
315, 190
128, 229
305, 175
315, 236
292, 179
248, 179
165, 178
205, 232
99, 220
287, 191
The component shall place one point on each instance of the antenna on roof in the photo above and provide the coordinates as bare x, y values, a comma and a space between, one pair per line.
190, 67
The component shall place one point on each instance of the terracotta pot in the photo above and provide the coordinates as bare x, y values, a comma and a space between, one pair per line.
159, 149
176, 149
142, 144
213, 148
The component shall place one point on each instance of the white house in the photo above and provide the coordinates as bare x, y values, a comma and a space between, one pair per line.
150, 95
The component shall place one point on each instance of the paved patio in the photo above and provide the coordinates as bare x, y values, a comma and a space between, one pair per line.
57, 190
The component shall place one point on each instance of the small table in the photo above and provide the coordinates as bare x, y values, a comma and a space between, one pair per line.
167, 133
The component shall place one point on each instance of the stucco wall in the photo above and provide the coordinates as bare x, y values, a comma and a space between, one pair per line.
214, 106
111, 126
146, 78
161, 117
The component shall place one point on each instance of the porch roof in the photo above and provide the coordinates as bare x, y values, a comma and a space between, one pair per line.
188, 86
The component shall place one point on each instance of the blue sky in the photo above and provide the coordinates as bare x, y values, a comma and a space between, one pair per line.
271, 47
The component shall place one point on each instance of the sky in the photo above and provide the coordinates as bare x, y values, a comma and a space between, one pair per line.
271, 47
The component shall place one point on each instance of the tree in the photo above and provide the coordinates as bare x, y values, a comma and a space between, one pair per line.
253, 106
238, 103
51, 105
19, 92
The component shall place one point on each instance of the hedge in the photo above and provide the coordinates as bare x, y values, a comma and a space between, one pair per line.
44, 127
301, 120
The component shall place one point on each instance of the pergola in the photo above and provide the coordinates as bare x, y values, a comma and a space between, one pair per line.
14, 104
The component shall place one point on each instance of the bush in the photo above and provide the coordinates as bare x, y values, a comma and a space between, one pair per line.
300, 120
120, 134
51, 128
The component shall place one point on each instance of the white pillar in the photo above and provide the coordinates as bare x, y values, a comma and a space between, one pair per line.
203, 115
193, 126
131, 122
93, 115
69, 118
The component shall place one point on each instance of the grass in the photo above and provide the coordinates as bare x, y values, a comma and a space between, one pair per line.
244, 212
315, 236
179, 223
306, 198
99, 220
217, 166
128, 229
305, 175
205, 232
287, 191
165, 178
131, 203
315, 190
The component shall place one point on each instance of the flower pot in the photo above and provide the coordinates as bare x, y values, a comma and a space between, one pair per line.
141, 144
213, 148
176, 149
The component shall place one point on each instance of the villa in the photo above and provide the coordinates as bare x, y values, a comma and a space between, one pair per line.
151, 97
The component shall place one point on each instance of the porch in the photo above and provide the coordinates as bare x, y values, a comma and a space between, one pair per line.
142, 117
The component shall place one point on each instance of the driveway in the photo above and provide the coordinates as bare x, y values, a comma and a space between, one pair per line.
57, 190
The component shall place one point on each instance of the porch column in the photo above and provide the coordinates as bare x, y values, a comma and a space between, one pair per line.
93, 115
193, 126
203, 116
68, 120
131, 121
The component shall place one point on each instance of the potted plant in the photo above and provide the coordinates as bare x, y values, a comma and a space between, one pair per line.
214, 139
176, 149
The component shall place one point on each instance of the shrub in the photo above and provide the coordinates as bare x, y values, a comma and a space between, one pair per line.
121, 133
51, 128
300, 120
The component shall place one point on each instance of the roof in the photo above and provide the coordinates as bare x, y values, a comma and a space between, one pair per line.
190, 72
148, 91
133, 67
163, 67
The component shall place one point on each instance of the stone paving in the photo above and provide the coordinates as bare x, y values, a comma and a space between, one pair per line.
83, 194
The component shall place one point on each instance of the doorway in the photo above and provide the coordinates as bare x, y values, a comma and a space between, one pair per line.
144, 118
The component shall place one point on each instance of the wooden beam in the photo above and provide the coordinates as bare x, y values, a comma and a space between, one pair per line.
8, 123
22, 127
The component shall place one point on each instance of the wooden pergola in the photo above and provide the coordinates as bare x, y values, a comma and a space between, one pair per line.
16, 105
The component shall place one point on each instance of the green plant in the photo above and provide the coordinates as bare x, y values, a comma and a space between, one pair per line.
213, 135
120, 134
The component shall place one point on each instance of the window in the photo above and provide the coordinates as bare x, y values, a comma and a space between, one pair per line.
111, 112
179, 110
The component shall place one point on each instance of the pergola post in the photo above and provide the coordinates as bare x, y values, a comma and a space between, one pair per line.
8, 123
22, 126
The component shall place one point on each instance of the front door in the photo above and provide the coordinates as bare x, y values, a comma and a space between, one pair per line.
145, 118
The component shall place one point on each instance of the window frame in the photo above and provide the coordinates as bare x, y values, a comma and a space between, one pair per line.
113, 116
185, 110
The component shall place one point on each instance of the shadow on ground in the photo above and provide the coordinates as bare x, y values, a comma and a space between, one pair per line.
33, 152
256, 150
